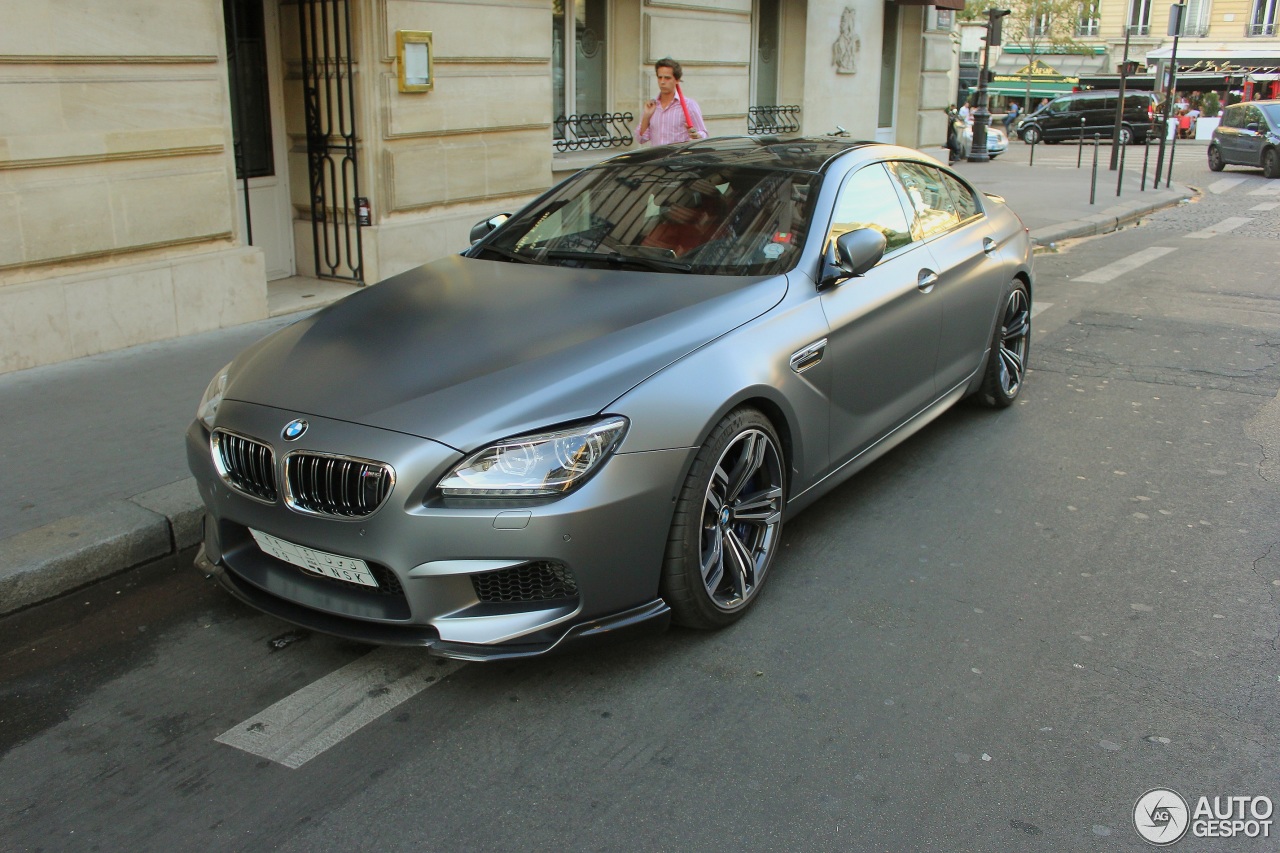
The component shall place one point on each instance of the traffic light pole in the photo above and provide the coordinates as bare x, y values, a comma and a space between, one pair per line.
1124, 76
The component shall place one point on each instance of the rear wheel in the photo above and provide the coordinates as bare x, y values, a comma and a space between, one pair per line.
1271, 163
1010, 346
1031, 135
1126, 136
1215, 159
727, 523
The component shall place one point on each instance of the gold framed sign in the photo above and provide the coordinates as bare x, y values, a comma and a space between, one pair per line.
414, 58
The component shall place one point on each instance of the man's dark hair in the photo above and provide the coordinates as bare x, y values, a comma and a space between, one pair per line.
676, 71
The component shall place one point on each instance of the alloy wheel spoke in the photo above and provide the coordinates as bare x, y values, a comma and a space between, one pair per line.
741, 564
760, 507
1012, 360
752, 458
713, 566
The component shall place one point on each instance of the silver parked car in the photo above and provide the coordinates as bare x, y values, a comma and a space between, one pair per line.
1248, 135
600, 416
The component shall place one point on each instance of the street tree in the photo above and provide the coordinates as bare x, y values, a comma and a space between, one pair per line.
1039, 27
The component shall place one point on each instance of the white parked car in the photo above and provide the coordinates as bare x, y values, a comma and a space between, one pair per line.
997, 141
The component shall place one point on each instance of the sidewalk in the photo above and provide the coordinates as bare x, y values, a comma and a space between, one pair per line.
92, 452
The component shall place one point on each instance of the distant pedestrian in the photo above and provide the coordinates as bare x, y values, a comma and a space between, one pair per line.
966, 113
1010, 116
671, 117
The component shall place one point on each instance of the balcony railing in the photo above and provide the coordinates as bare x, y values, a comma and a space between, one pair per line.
1088, 28
773, 121
1262, 30
1139, 29
593, 130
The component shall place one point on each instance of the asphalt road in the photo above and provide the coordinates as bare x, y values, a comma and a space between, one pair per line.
998, 637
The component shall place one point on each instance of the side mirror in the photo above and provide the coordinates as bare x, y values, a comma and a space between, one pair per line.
1253, 125
854, 253
485, 227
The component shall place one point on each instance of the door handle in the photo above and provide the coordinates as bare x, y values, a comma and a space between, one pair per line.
803, 359
988, 245
926, 280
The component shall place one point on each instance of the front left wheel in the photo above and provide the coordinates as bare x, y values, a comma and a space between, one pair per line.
727, 523
1010, 346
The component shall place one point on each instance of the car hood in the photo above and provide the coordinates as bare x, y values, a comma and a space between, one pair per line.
465, 351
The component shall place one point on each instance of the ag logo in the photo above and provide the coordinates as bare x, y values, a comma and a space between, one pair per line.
1161, 816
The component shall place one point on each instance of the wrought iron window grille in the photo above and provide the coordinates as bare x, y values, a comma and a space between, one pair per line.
1262, 30
771, 121
593, 130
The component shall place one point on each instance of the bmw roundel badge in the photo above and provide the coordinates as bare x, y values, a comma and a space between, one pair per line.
293, 430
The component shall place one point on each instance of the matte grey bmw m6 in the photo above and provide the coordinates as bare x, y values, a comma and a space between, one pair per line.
599, 417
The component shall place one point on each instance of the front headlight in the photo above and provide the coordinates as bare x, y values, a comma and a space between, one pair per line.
540, 465
208, 408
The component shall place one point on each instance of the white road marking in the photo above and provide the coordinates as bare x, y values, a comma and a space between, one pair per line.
1224, 184
1266, 205
1222, 227
299, 727
1040, 306
1102, 275
1269, 189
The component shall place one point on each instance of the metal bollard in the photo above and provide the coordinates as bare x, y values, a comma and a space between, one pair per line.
1093, 187
1173, 148
1146, 157
1120, 177
1080, 150
1032, 162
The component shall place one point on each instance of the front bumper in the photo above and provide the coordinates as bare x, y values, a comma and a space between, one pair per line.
608, 538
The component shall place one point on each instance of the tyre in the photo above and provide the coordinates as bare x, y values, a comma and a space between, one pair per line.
1031, 135
727, 523
1271, 163
1126, 135
1215, 159
1010, 346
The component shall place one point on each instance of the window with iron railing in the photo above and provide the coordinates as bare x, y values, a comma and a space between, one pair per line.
579, 71
1195, 21
1140, 17
1263, 20
1088, 28
970, 57
1039, 26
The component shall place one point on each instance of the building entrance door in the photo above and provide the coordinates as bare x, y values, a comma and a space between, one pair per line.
254, 69
886, 130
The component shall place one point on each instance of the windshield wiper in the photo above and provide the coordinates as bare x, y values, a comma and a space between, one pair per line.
511, 255
619, 259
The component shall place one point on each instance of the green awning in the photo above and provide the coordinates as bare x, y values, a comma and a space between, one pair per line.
1039, 88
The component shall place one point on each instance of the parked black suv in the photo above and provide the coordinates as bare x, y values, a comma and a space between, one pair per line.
1061, 118
1248, 135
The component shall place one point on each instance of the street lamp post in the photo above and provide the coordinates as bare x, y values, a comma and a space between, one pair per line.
981, 115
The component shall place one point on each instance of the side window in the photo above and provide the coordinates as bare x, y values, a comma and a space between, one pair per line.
961, 196
868, 199
1108, 104
1059, 106
1232, 117
929, 198
1255, 117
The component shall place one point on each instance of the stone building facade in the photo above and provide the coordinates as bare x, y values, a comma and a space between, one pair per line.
162, 160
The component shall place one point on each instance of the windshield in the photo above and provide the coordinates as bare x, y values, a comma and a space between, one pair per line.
711, 220
1273, 113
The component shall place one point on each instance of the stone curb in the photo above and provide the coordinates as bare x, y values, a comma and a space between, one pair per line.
1109, 220
44, 563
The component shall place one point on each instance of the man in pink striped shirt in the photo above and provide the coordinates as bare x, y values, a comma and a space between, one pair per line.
664, 121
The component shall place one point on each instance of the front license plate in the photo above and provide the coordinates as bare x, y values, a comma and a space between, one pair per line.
331, 565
